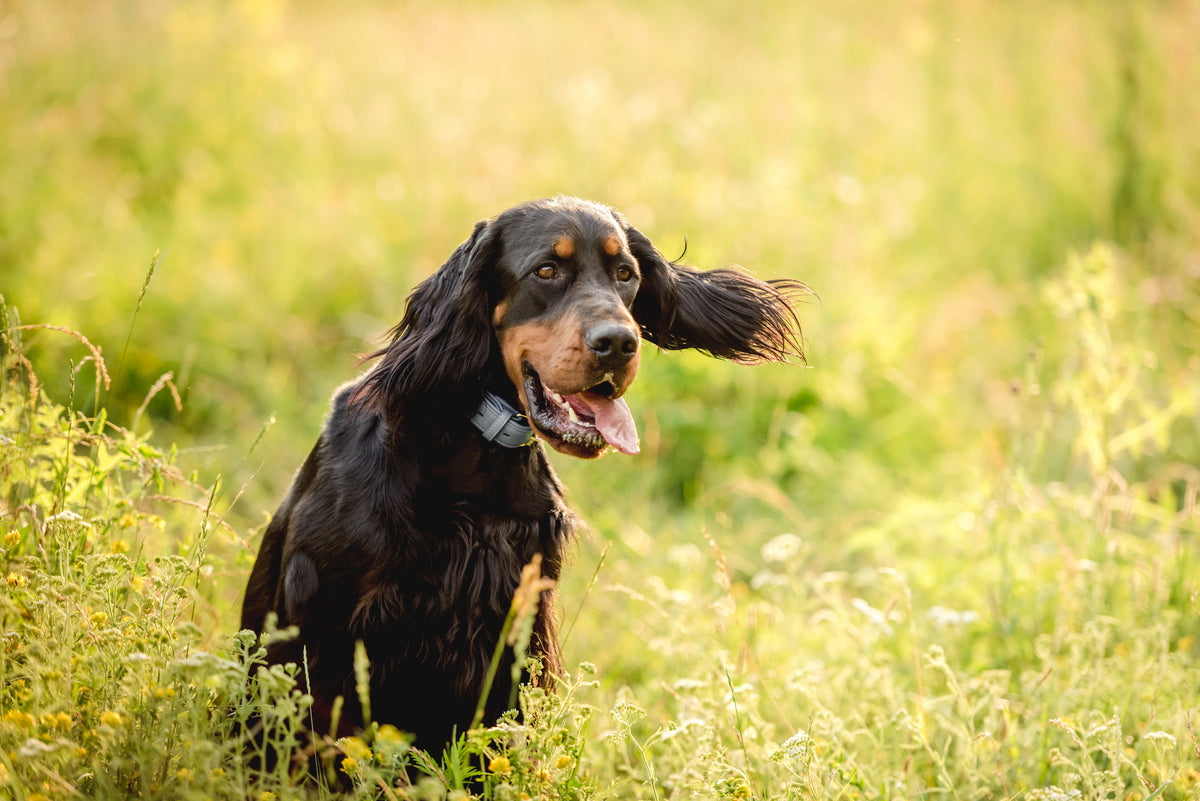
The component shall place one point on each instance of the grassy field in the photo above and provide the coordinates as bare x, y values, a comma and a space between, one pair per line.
954, 557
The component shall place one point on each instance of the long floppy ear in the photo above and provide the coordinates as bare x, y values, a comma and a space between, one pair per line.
440, 350
724, 312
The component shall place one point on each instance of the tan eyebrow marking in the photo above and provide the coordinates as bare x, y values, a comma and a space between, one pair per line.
564, 247
612, 246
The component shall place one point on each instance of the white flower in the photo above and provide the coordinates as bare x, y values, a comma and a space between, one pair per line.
67, 516
875, 617
34, 747
943, 617
1053, 793
1160, 737
782, 548
798, 746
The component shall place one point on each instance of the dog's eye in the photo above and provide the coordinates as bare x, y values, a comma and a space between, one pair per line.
547, 271
624, 274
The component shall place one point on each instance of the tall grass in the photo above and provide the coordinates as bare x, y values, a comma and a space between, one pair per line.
1033, 636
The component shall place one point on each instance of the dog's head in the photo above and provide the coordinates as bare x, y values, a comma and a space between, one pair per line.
547, 304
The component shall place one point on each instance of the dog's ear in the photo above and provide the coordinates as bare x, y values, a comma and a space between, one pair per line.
444, 341
724, 312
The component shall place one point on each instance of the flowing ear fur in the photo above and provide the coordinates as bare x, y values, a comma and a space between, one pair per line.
440, 350
724, 312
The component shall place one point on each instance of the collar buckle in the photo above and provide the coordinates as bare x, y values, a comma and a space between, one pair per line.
500, 423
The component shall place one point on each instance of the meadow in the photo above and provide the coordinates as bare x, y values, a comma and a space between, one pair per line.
954, 555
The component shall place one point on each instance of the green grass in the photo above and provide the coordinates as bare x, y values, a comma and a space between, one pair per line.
955, 558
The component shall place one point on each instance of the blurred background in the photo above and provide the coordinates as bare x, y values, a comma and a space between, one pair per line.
956, 181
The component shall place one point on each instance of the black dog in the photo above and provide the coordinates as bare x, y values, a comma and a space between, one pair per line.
428, 489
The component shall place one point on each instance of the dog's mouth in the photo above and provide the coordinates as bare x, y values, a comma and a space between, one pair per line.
581, 423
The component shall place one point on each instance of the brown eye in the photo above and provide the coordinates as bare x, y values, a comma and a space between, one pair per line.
547, 271
624, 274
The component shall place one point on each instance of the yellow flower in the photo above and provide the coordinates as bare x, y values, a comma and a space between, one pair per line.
12, 538
354, 748
120, 546
110, 718
127, 520
500, 766
58, 720
563, 761
19, 719
349, 765
389, 734
266, 795
3, 773
98, 619
16, 580
185, 774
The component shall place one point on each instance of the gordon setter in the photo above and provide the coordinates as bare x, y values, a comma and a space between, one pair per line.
429, 488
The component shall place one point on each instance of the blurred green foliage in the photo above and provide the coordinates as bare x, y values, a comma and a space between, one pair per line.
996, 204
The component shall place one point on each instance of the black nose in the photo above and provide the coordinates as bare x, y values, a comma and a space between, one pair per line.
613, 344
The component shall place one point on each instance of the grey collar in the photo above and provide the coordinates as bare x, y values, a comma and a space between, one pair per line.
500, 423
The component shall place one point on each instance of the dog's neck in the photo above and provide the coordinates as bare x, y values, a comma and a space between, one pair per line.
500, 423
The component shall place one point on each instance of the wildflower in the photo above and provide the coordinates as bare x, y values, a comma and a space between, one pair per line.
98, 619
1160, 737
877, 618
1053, 793
783, 548
389, 734
158, 522
19, 719
185, 774
12, 538
16, 580
943, 617
349, 765
127, 520
500, 766
33, 748
354, 748
111, 718
58, 720
563, 761
799, 746
266, 795
120, 546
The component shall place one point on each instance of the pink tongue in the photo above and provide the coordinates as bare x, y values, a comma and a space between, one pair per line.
614, 422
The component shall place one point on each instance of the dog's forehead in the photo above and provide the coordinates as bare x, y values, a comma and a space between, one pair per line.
563, 227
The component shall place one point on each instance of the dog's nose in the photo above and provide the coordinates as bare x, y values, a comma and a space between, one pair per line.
613, 344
